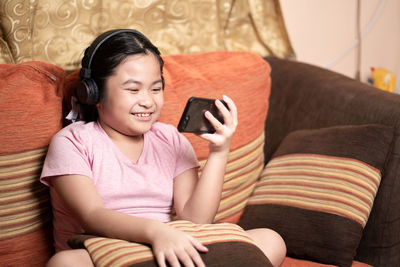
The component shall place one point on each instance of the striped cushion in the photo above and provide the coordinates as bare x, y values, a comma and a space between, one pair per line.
30, 104
21, 210
341, 186
223, 240
243, 169
319, 188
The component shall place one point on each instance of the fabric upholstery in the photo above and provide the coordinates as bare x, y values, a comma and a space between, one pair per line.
307, 97
30, 104
243, 77
227, 244
5, 52
36, 30
291, 262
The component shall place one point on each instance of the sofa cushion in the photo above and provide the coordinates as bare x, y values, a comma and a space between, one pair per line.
318, 190
229, 245
292, 262
243, 76
30, 104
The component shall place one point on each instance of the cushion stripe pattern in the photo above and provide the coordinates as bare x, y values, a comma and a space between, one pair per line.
243, 169
23, 200
116, 252
337, 185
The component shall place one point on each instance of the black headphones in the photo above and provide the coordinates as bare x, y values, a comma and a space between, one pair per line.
87, 90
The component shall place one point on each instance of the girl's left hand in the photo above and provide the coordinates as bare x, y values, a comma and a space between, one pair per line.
221, 139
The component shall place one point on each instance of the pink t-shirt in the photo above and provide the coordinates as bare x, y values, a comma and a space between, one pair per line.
143, 189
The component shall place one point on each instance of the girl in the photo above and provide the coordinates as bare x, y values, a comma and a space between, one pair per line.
118, 173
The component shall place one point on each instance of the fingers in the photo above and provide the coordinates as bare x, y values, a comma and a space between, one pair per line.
186, 253
191, 256
160, 259
197, 245
232, 110
218, 126
220, 140
228, 113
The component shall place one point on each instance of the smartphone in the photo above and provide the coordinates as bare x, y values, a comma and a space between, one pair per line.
193, 119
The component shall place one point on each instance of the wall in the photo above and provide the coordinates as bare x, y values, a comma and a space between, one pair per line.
321, 31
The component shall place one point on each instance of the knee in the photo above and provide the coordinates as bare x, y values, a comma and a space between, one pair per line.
66, 258
59, 259
280, 244
271, 243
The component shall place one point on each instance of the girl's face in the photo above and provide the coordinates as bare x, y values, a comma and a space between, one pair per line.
134, 97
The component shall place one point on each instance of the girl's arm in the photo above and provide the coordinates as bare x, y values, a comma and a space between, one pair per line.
197, 199
79, 195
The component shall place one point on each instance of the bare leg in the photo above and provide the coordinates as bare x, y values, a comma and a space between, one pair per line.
73, 257
271, 243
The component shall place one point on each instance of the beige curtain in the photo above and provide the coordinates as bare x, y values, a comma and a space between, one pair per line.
58, 31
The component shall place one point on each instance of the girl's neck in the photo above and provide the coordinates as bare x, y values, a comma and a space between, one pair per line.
121, 138
130, 146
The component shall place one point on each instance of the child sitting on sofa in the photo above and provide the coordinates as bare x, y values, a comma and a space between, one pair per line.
118, 172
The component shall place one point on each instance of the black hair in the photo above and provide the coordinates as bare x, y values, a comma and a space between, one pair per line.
107, 58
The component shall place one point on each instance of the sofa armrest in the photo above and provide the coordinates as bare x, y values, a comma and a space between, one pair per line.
304, 96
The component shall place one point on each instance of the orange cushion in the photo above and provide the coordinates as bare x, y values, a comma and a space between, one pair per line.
30, 104
242, 76
291, 262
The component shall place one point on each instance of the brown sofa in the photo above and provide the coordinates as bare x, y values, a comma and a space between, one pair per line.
307, 97
312, 113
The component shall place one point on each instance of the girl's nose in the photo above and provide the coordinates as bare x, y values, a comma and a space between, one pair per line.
145, 99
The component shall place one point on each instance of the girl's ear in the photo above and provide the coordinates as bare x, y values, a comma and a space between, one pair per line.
99, 106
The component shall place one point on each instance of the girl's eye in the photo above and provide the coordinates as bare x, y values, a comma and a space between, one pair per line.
156, 90
133, 90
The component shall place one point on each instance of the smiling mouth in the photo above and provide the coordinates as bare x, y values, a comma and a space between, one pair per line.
142, 115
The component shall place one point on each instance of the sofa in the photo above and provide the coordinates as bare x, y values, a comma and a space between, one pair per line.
314, 157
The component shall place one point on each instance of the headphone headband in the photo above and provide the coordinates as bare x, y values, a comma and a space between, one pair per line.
85, 72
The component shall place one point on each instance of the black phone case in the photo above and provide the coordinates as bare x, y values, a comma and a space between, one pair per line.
193, 119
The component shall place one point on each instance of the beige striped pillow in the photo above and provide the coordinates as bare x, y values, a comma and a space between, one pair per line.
24, 200
243, 169
319, 188
229, 245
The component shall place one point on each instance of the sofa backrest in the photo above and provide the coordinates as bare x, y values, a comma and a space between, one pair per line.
58, 31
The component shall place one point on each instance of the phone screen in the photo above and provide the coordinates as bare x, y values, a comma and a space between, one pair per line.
193, 119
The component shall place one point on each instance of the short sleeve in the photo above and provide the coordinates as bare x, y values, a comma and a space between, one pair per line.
67, 154
186, 157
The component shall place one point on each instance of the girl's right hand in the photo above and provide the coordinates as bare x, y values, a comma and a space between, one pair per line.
176, 247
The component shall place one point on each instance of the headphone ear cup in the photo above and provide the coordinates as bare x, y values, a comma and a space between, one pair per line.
87, 92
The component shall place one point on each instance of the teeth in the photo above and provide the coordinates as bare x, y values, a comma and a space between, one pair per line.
142, 114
